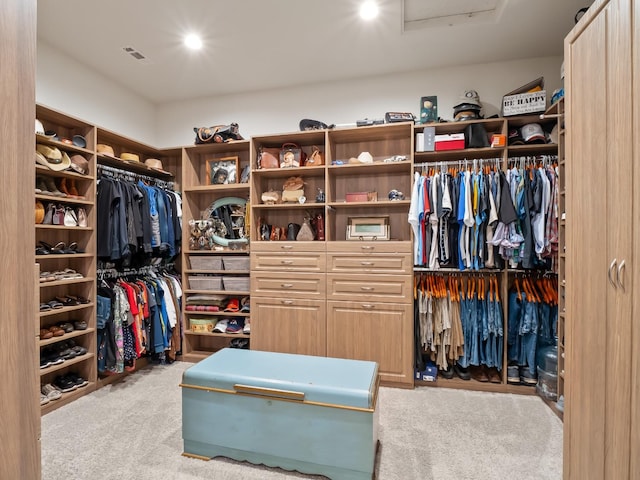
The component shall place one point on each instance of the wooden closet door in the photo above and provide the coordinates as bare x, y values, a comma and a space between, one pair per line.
599, 233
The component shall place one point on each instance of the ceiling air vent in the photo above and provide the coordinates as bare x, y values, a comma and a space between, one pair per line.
418, 14
134, 53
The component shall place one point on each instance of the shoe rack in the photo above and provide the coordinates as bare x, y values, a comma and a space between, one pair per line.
65, 254
215, 270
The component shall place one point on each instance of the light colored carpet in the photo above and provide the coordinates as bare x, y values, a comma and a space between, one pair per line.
133, 430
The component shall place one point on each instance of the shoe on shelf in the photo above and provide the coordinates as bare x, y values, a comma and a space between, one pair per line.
462, 372
513, 374
51, 392
247, 326
479, 373
494, 375
527, 377
43, 400
64, 384
51, 187
448, 373
77, 379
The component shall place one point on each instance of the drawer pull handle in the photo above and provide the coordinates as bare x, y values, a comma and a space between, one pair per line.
286, 247
287, 302
366, 247
286, 262
268, 392
368, 306
367, 289
366, 263
287, 285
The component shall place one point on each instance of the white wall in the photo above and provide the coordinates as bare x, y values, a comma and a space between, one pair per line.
343, 102
66, 85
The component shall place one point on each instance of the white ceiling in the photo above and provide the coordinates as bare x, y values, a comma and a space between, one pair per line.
261, 44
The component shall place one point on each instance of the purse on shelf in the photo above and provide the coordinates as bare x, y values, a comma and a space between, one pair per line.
70, 217
268, 158
306, 233
58, 215
291, 156
217, 134
270, 197
315, 159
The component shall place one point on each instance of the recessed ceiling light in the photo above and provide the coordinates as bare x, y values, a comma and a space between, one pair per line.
193, 41
368, 10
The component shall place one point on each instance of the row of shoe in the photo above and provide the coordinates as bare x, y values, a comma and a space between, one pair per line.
58, 353
233, 325
66, 274
480, 373
63, 301
520, 375
242, 343
59, 187
61, 328
58, 214
59, 248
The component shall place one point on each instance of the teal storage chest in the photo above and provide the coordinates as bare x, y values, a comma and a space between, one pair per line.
315, 415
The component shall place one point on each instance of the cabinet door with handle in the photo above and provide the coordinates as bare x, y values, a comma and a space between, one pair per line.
288, 325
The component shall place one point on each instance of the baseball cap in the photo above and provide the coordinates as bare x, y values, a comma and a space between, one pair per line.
235, 325
471, 97
221, 326
533, 133
515, 138
39, 127
233, 305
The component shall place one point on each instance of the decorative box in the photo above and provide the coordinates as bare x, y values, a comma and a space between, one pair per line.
236, 283
361, 197
449, 141
316, 415
202, 325
236, 263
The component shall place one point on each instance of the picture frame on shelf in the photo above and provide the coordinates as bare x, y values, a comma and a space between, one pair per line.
368, 228
222, 171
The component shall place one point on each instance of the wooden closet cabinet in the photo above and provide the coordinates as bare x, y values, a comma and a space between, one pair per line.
602, 382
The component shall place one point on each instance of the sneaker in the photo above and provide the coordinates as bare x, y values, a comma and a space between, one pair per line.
513, 374
77, 379
51, 392
527, 377
235, 325
43, 400
64, 384
247, 326
448, 373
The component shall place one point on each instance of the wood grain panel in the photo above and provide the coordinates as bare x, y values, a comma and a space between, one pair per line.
370, 288
19, 396
288, 284
588, 257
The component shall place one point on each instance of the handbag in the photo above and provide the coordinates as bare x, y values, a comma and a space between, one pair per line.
217, 134
305, 233
268, 158
58, 215
315, 159
291, 156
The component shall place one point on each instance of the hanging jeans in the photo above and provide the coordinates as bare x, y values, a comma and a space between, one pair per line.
513, 340
529, 335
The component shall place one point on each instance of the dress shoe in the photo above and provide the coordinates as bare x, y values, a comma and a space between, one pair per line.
462, 372
494, 376
448, 373
479, 374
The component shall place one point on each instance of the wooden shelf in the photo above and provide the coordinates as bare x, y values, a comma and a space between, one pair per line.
61, 145
67, 398
62, 227
136, 167
57, 311
65, 256
67, 336
404, 204
289, 172
67, 363
534, 148
68, 200
214, 334
288, 206
230, 293
458, 383
221, 272
234, 187
222, 251
461, 154
195, 356
42, 170
71, 281
220, 313
369, 168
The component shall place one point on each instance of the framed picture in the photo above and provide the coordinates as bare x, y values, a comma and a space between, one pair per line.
368, 228
222, 171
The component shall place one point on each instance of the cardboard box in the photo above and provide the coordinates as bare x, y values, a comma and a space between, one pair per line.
524, 103
361, 197
450, 141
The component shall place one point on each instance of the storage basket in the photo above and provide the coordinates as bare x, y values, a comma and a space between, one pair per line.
202, 325
205, 282
236, 263
205, 262
236, 283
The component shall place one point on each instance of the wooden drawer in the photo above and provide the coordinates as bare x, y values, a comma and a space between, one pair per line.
271, 247
289, 261
294, 285
373, 263
368, 247
389, 288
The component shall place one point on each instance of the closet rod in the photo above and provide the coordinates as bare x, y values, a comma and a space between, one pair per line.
115, 273
457, 162
115, 172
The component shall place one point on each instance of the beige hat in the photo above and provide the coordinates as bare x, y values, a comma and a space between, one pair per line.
52, 158
155, 164
105, 149
130, 157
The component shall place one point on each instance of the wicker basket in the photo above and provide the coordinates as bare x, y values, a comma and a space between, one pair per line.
236, 263
205, 262
236, 283
205, 282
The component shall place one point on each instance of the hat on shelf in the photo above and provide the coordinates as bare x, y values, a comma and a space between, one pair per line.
469, 97
79, 164
515, 138
104, 149
79, 141
155, 164
52, 158
130, 157
533, 133
39, 127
